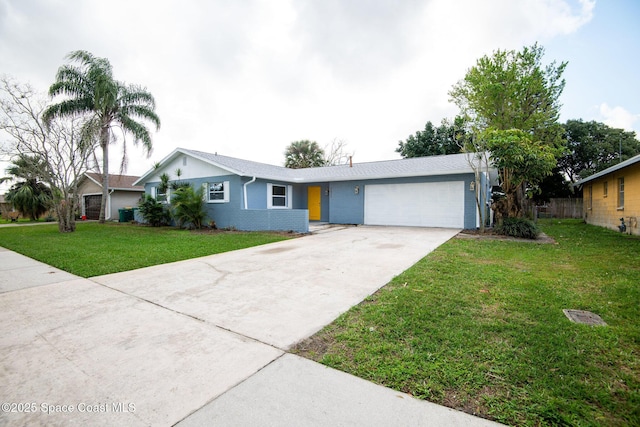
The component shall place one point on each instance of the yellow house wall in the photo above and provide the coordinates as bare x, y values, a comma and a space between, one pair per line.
604, 211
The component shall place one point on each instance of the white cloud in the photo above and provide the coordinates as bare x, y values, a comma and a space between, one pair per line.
619, 117
247, 78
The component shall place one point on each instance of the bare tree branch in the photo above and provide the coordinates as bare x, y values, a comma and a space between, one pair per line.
63, 155
336, 154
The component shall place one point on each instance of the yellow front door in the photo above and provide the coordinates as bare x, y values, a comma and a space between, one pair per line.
313, 202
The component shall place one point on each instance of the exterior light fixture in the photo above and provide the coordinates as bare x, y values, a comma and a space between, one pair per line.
356, 189
472, 186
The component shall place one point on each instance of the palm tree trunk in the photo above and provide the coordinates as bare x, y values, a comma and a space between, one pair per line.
104, 144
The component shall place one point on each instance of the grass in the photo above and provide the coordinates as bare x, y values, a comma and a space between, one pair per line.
97, 249
20, 220
478, 326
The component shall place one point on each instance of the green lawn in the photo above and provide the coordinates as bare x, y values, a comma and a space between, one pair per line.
97, 249
478, 325
20, 220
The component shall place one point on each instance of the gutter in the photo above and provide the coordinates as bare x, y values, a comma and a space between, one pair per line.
107, 218
244, 187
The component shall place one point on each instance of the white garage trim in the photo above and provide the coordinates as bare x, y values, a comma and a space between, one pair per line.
427, 204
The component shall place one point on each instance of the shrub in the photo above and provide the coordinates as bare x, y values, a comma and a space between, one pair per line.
154, 212
518, 227
188, 206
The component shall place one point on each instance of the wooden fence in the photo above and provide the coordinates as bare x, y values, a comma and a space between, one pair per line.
557, 208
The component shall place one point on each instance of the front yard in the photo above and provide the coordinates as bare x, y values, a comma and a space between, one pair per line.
97, 249
478, 325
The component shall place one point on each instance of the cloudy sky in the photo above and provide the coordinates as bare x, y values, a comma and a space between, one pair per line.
245, 78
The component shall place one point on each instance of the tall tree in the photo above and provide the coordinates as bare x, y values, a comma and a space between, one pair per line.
593, 146
304, 154
519, 161
90, 90
433, 141
54, 155
514, 90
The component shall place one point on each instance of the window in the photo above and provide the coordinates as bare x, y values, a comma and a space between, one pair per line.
621, 193
278, 196
590, 197
605, 189
217, 192
159, 195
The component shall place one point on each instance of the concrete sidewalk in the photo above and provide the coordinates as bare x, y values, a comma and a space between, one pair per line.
203, 341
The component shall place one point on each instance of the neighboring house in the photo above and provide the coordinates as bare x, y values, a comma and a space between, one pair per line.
5, 207
122, 193
436, 191
612, 194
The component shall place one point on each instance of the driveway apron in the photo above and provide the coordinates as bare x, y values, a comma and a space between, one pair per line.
163, 344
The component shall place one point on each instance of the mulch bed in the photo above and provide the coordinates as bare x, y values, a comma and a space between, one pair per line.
490, 234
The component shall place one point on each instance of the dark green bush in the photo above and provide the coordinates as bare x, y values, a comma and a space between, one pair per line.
154, 212
188, 207
518, 227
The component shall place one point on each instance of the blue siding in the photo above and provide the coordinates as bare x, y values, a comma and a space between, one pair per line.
339, 202
346, 207
256, 194
233, 215
296, 220
301, 198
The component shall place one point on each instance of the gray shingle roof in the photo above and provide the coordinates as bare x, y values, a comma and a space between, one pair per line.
117, 182
243, 167
419, 166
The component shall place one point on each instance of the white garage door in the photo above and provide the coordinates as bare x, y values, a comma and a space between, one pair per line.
430, 204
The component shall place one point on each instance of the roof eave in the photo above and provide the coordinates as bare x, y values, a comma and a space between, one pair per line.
86, 174
614, 168
383, 176
127, 189
186, 152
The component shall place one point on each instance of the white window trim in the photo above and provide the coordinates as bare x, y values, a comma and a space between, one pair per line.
620, 201
154, 194
287, 195
225, 198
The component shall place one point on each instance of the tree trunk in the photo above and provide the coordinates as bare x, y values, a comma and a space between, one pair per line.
66, 222
512, 205
104, 144
66, 215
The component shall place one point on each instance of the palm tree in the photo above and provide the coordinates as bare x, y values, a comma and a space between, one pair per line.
91, 90
30, 196
304, 154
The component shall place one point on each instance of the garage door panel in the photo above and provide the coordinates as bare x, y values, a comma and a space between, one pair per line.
432, 204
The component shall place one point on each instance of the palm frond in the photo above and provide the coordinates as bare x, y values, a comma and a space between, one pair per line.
139, 131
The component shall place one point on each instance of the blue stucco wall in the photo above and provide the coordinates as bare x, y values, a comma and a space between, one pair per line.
344, 206
296, 220
301, 198
257, 217
339, 205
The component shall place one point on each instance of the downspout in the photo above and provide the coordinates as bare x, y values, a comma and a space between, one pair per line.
246, 202
108, 205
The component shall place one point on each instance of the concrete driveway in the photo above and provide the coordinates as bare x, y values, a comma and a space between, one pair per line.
202, 340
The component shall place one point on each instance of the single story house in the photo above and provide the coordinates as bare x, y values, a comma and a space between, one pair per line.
122, 193
5, 207
437, 191
612, 194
